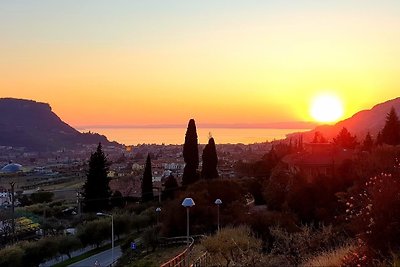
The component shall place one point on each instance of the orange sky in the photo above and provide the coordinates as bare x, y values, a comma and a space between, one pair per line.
129, 62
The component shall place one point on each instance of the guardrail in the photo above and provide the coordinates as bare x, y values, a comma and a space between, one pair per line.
180, 259
203, 260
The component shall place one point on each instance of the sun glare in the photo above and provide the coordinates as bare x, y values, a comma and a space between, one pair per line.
326, 108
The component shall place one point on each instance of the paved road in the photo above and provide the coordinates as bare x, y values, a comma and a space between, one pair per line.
103, 259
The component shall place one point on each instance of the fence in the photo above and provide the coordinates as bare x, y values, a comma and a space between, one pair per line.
181, 259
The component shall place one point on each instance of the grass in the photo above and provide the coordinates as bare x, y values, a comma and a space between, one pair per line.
330, 258
163, 254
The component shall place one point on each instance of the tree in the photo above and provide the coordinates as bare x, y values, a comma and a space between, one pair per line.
170, 186
391, 130
210, 161
373, 210
96, 190
117, 200
319, 138
345, 140
41, 197
67, 244
190, 155
11, 256
147, 182
368, 142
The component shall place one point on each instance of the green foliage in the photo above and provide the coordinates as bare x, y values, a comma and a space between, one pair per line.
368, 142
345, 140
117, 200
210, 161
319, 138
147, 182
190, 154
122, 224
203, 216
67, 244
41, 197
170, 186
300, 245
391, 130
233, 245
96, 188
373, 210
150, 237
11, 256
94, 232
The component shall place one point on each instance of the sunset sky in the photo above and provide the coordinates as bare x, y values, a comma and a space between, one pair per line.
164, 62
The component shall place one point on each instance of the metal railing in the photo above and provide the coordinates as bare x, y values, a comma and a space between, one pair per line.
202, 261
180, 259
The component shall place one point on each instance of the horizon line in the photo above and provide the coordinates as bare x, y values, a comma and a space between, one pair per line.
274, 125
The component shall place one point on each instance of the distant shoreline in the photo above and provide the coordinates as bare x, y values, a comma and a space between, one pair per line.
278, 125
176, 135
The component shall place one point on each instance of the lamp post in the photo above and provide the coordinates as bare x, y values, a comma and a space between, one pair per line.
187, 203
158, 210
112, 233
218, 202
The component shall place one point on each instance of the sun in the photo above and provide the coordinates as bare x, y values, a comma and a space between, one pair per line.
326, 108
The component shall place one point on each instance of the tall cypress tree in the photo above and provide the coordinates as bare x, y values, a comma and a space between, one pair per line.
190, 155
147, 182
96, 190
210, 161
391, 130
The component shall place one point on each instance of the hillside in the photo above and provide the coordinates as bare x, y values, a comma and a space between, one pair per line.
371, 120
33, 125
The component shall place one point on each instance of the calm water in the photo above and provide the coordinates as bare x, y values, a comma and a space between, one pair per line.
134, 136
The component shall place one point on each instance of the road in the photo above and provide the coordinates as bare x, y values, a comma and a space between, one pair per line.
103, 259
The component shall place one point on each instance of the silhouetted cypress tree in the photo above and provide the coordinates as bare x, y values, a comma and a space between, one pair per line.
210, 161
190, 155
96, 190
368, 142
170, 186
391, 130
147, 182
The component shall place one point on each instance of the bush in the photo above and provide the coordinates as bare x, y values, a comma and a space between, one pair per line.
11, 256
373, 211
236, 245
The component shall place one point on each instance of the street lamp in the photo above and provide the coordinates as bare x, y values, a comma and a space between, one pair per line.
218, 202
158, 210
187, 203
112, 233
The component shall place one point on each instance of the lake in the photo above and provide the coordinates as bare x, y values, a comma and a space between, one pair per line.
137, 135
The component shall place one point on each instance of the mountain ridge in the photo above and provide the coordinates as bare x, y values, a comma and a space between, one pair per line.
364, 121
33, 125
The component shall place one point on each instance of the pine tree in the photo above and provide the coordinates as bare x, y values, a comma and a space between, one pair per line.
379, 140
391, 130
190, 155
147, 182
96, 190
345, 140
319, 138
368, 142
210, 161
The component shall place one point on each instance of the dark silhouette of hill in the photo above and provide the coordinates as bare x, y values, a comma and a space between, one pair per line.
371, 120
33, 125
